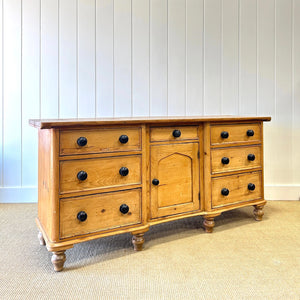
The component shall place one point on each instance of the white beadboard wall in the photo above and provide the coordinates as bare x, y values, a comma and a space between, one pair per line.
98, 58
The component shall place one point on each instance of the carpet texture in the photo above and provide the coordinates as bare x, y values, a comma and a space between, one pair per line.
242, 259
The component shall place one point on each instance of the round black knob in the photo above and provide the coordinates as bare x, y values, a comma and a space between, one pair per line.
225, 160
251, 186
155, 181
124, 171
251, 157
82, 216
82, 175
176, 133
224, 134
124, 209
225, 192
123, 138
250, 132
82, 141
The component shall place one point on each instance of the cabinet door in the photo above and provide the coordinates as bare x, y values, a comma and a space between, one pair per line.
174, 179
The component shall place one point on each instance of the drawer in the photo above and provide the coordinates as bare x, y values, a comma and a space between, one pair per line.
96, 173
83, 215
238, 133
238, 188
99, 140
178, 133
235, 158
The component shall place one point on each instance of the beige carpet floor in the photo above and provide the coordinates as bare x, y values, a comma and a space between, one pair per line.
242, 259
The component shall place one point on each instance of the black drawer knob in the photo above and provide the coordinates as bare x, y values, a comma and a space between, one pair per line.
250, 132
82, 141
124, 209
82, 216
225, 192
176, 133
123, 138
225, 160
82, 175
251, 186
124, 171
224, 134
155, 181
251, 157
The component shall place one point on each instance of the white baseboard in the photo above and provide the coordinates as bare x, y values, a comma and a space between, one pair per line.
18, 195
282, 192
30, 194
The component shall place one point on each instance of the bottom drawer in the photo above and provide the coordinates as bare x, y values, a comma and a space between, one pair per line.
87, 214
236, 188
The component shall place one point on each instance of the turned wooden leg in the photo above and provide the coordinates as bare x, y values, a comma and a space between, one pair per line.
41, 239
138, 241
258, 212
209, 224
58, 259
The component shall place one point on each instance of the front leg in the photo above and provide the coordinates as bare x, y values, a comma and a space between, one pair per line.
208, 224
258, 212
138, 241
58, 259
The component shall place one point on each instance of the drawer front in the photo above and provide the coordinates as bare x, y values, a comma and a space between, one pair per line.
238, 133
89, 174
235, 158
238, 188
99, 212
99, 140
179, 133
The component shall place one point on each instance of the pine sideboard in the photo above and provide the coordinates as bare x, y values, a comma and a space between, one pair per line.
102, 177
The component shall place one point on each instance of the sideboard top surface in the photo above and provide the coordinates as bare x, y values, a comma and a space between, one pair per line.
57, 123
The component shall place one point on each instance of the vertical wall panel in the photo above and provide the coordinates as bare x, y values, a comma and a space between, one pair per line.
296, 94
1, 94
30, 88
194, 57
104, 58
248, 63
67, 59
282, 150
122, 53
140, 57
212, 57
230, 57
86, 58
12, 89
49, 58
158, 57
176, 57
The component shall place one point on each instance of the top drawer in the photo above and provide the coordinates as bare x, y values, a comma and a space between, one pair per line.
99, 140
235, 133
179, 133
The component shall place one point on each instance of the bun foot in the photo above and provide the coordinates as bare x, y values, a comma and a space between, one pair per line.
41, 239
138, 241
58, 259
209, 224
258, 212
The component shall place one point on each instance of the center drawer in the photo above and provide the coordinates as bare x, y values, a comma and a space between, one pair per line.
97, 173
179, 133
83, 215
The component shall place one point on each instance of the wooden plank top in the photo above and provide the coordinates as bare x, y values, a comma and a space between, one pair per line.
79, 122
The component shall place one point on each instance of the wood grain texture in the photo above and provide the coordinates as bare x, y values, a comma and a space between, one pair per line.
103, 212
165, 134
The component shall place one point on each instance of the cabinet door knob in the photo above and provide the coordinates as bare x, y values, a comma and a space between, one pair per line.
224, 134
123, 138
124, 171
176, 133
251, 186
82, 141
225, 192
251, 157
82, 216
124, 209
250, 132
225, 160
82, 175
155, 181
